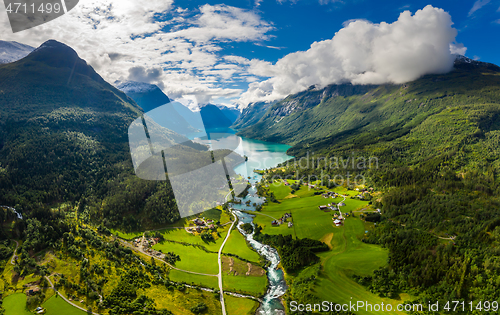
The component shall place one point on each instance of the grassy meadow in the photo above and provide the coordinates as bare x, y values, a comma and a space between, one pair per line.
348, 255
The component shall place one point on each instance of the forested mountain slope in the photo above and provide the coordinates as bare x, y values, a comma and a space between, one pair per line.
64, 138
436, 141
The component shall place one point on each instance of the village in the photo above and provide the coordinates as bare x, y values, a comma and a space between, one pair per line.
282, 220
197, 225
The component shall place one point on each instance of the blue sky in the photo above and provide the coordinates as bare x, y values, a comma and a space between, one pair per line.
243, 51
300, 23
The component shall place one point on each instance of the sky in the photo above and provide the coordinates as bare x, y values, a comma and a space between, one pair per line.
239, 52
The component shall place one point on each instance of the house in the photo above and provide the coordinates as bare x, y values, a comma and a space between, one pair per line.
198, 222
274, 222
341, 204
337, 222
290, 224
33, 291
323, 207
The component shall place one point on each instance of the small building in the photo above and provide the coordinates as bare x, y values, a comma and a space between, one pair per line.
290, 224
33, 291
323, 207
341, 204
337, 222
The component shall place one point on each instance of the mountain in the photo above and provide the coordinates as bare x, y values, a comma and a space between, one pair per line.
427, 152
214, 118
231, 113
252, 114
355, 117
147, 96
13, 51
64, 138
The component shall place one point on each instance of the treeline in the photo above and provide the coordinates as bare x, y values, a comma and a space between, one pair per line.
294, 253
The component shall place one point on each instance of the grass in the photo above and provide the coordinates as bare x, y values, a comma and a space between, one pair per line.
179, 303
15, 304
189, 278
350, 256
180, 235
308, 220
280, 190
240, 306
245, 284
236, 244
56, 305
192, 258
126, 235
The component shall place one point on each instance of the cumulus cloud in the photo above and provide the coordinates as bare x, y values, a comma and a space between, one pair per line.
125, 39
363, 53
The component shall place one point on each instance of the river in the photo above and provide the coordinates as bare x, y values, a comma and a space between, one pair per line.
262, 155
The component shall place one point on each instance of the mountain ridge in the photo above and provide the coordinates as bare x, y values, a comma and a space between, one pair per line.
11, 51
313, 114
64, 138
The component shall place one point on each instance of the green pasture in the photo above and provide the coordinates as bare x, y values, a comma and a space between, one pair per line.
350, 256
236, 244
192, 258
240, 306
56, 305
15, 304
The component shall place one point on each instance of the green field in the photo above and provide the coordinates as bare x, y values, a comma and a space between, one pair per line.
240, 306
192, 258
236, 244
308, 220
126, 235
179, 303
56, 305
15, 304
180, 235
255, 286
280, 190
189, 278
350, 256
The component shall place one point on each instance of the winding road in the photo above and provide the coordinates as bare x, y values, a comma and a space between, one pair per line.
64, 298
223, 305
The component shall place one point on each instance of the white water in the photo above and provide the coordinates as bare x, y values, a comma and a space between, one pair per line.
271, 303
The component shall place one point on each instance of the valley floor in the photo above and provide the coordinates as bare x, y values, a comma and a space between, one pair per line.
347, 256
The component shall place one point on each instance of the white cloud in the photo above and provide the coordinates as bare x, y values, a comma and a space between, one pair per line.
478, 5
363, 53
122, 40
458, 49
